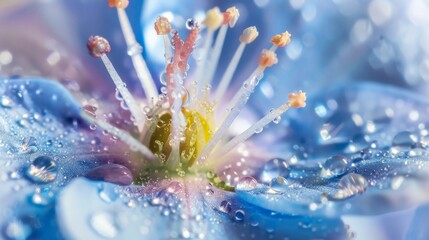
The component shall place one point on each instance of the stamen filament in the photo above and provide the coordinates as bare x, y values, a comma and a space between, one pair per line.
227, 76
124, 136
215, 53
134, 50
168, 51
132, 104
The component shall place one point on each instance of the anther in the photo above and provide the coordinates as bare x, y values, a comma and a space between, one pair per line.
97, 46
267, 58
162, 26
230, 16
121, 4
214, 18
281, 40
297, 100
249, 35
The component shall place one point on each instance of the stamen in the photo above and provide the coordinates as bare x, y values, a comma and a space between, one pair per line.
134, 50
122, 4
281, 40
296, 100
230, 16
239, 101
163, 27
249, 35
214, 19
124, 136
98, 47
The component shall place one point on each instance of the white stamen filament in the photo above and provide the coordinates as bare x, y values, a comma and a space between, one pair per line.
168, 50
136, 112
124, 136
215, 53
139, 63
201, 68
175, 136
237, 104
227, 76
251, 130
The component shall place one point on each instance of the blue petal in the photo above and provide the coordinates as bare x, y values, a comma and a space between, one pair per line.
395, 174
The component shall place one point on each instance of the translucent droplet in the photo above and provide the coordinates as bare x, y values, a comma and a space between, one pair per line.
239, 215
91, 110
174, 187
275, 167
279, 184
17, 230
191, 23
134, 49
225, 206
404, 141
277, 120
247, 184
42, 170
107, 194
259, 130
334, 166
5, 101
42, 197
163, 78
104, 224
350, 185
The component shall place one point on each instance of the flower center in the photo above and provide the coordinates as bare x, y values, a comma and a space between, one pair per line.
196, 132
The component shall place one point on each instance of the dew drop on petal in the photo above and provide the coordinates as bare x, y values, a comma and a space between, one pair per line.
225, 206
42, 170
334, 166
350, 185
404, 141
239, 215
279, 184
104, 224
17, 230
113, 173
107, 194
247, 184
274, 168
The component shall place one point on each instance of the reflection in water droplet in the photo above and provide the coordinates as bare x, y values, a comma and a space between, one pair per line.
42, 170
225, 206
107, 193
403, 142
239, 215
246, 184
350, 185
334, 166
104, 224
275, 167
279, 184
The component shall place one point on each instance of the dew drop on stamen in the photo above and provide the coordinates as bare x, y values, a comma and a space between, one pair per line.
191, 23
163, 78
134, 49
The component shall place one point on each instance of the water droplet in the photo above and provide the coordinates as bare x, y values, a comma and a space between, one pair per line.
350, 185
277, 120
6, 102
239, 215
91, 110
191, 23
275, 167
404, 141
42, 197
134, 49
17, 230
174, 187
259, 130
107, 193
247, 184
279, 184
225, 206
334, 166
163, 78
104, 224
42, 170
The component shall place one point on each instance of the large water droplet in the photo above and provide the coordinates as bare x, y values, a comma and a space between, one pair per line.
42, 170
403, 142
113, 173
334, 166
247, 184
274, 168
104, 224
279, 184
350, 185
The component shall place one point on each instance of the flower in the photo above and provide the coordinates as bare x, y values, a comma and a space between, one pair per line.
350, 147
